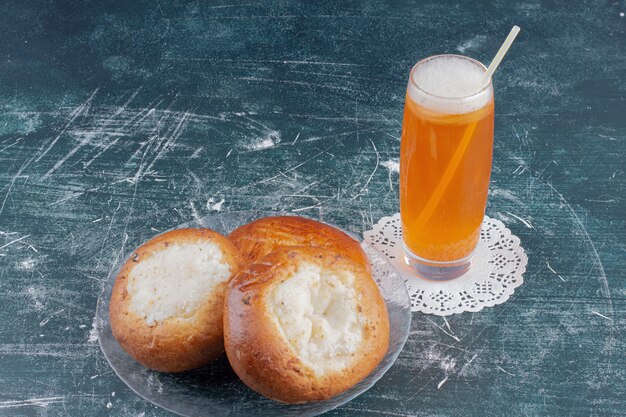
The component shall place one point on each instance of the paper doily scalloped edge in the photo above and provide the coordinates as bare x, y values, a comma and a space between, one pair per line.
499, 264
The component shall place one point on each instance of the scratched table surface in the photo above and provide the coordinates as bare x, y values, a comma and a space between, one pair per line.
119, 121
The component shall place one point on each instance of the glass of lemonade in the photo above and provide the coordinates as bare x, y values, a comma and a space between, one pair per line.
445, 163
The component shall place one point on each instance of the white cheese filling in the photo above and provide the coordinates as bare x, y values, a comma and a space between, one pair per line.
316, 312
175, 281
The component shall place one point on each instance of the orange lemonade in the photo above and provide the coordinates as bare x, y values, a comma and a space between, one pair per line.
445, 159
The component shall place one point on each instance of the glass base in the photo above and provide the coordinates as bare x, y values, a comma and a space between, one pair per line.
435, 270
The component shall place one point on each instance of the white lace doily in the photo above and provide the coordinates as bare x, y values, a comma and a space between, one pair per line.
497, 269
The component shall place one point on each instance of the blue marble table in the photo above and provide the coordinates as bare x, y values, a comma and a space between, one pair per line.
121, 119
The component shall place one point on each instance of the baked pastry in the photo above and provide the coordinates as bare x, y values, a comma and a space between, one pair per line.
304, 324
260, 237
167, 303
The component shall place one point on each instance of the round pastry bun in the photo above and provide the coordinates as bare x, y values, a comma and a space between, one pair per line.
166, 308
261, 237
304, 324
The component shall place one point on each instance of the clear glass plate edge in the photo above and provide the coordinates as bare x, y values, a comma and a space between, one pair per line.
402, 310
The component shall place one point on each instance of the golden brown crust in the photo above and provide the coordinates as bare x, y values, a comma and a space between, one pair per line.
258, 352
261, 237
173, 345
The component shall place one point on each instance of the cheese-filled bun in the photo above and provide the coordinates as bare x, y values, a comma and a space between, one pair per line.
167, 303
304, 324
260, 237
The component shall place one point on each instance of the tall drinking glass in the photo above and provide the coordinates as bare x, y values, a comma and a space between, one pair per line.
445, 164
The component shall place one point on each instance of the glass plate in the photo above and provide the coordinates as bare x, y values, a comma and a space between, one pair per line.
215, 389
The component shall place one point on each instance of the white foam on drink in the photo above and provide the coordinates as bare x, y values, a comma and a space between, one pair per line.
449, 84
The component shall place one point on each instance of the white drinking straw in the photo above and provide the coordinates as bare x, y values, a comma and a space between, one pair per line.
457, 157
498, 58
